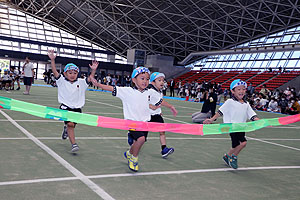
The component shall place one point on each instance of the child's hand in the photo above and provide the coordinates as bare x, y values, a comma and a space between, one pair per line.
94, 65
207, 121
153, 107
174, 111
51, 54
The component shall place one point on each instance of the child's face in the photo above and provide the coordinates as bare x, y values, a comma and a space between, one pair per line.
141, 81
239, 92
159, 82
71, 75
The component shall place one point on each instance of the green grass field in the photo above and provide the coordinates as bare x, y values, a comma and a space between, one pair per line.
37, 165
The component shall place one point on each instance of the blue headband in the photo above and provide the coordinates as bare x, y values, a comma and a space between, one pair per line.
236, 83
155, 75
71, 66
139, 70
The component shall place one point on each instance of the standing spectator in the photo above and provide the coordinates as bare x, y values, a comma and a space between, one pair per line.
108, 79
225, 94
179, 88
28, 72
250, 90
128, 81
172, 85
164, 90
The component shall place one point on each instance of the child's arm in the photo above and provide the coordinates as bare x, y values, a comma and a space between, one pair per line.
104, 87
94, 68
52, 57
209, 121
168, 105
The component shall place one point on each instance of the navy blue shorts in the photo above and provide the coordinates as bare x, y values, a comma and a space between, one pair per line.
157, 118
64, 107
137, 134
28, 81
237, 138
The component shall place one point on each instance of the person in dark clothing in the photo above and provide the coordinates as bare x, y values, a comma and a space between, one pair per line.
172, 85
209, 106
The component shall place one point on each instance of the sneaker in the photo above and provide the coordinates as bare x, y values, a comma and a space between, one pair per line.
133, 163
26, 93
167, 151
18, 88
130, 139
233, 162
127, 155
64, 133
75, 148
226, 159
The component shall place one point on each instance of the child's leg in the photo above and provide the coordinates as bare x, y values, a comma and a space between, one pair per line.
237, 149
70, 130
136, 146
162, 138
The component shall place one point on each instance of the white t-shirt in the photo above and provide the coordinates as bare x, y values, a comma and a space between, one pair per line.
28, 70
5, 77
135, 103
71, 94
236, 112
155, 99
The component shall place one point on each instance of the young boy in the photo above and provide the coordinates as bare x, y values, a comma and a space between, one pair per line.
235, 110
135, 107
157, 83
71, 93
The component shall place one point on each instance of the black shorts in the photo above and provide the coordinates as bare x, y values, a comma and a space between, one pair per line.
137, 134
6, 81
237, 138
28, 81
157, 118
64, 107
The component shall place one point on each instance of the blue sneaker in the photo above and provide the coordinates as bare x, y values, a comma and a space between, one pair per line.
64, 133
130, 139
233, 162
167, 151
226, 159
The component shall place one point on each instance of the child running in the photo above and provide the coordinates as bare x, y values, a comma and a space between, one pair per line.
235, 110
157, 84
135, 107
71, 93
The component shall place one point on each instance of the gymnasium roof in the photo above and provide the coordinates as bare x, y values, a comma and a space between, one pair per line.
176, 28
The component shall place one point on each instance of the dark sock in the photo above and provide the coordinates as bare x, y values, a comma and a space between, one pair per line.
163, 146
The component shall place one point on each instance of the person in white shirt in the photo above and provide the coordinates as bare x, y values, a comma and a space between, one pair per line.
135, 107
156, 84
28, 73
273, 105
71, 93
235, 110
6, 80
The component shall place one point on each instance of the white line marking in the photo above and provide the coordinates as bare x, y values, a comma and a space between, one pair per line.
32, 120
72, 169
273, 143
148, 174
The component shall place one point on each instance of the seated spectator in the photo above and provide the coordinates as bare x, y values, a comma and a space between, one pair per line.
273, 105
283, 104
295, 108
264, 90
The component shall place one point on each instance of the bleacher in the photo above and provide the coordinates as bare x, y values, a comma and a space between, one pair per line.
279, 80
273, 80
